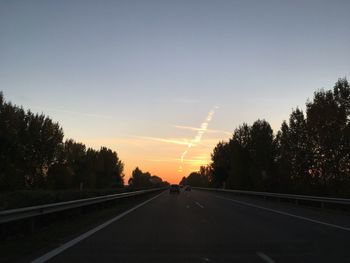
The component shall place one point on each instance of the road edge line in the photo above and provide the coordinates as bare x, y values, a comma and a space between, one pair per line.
76, 240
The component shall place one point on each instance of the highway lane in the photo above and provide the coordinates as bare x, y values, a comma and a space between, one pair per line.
202, 226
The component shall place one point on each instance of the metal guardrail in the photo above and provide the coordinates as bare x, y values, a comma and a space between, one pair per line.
32, 211
319, 199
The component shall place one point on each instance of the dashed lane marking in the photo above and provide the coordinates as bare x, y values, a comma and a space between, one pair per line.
265, 257
201, 206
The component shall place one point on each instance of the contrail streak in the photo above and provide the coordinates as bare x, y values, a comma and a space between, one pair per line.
197, 129
200, 131
173, 141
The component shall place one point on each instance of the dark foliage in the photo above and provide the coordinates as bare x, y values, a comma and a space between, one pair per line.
140, 179
33, 156
309, 155
198, 179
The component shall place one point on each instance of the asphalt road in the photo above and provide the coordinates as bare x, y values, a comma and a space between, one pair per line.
201, 226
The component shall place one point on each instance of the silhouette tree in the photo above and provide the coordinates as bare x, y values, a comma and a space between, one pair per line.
60, 176
262, 153
183, 181
32, 155
220, 164
327, 120
74, 155
240, 169
247, 160
293, 157
108, 169
11, 153
206, 174
156, 181
29, 146
140, 179
309, 154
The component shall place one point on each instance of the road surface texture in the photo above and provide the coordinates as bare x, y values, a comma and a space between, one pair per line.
202, 226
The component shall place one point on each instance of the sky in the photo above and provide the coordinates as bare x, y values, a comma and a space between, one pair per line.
162, 82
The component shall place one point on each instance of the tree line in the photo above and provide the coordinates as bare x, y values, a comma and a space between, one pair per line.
141, 179
33, 155
198, 179
310, 154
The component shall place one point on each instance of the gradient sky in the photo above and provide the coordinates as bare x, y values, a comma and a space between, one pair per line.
139, 76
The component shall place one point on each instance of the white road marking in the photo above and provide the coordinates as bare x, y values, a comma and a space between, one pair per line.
265, 257
288, 214
74, 241
201, 206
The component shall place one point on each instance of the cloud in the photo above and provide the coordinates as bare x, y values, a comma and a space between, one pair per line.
169, 140
164, 160
199, 129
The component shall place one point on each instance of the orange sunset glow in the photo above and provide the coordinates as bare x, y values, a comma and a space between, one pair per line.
162, 155
174, 131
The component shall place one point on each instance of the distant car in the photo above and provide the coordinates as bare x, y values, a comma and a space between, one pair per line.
188, 188
174, 189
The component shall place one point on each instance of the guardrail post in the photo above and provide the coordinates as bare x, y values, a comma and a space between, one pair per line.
322, 205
